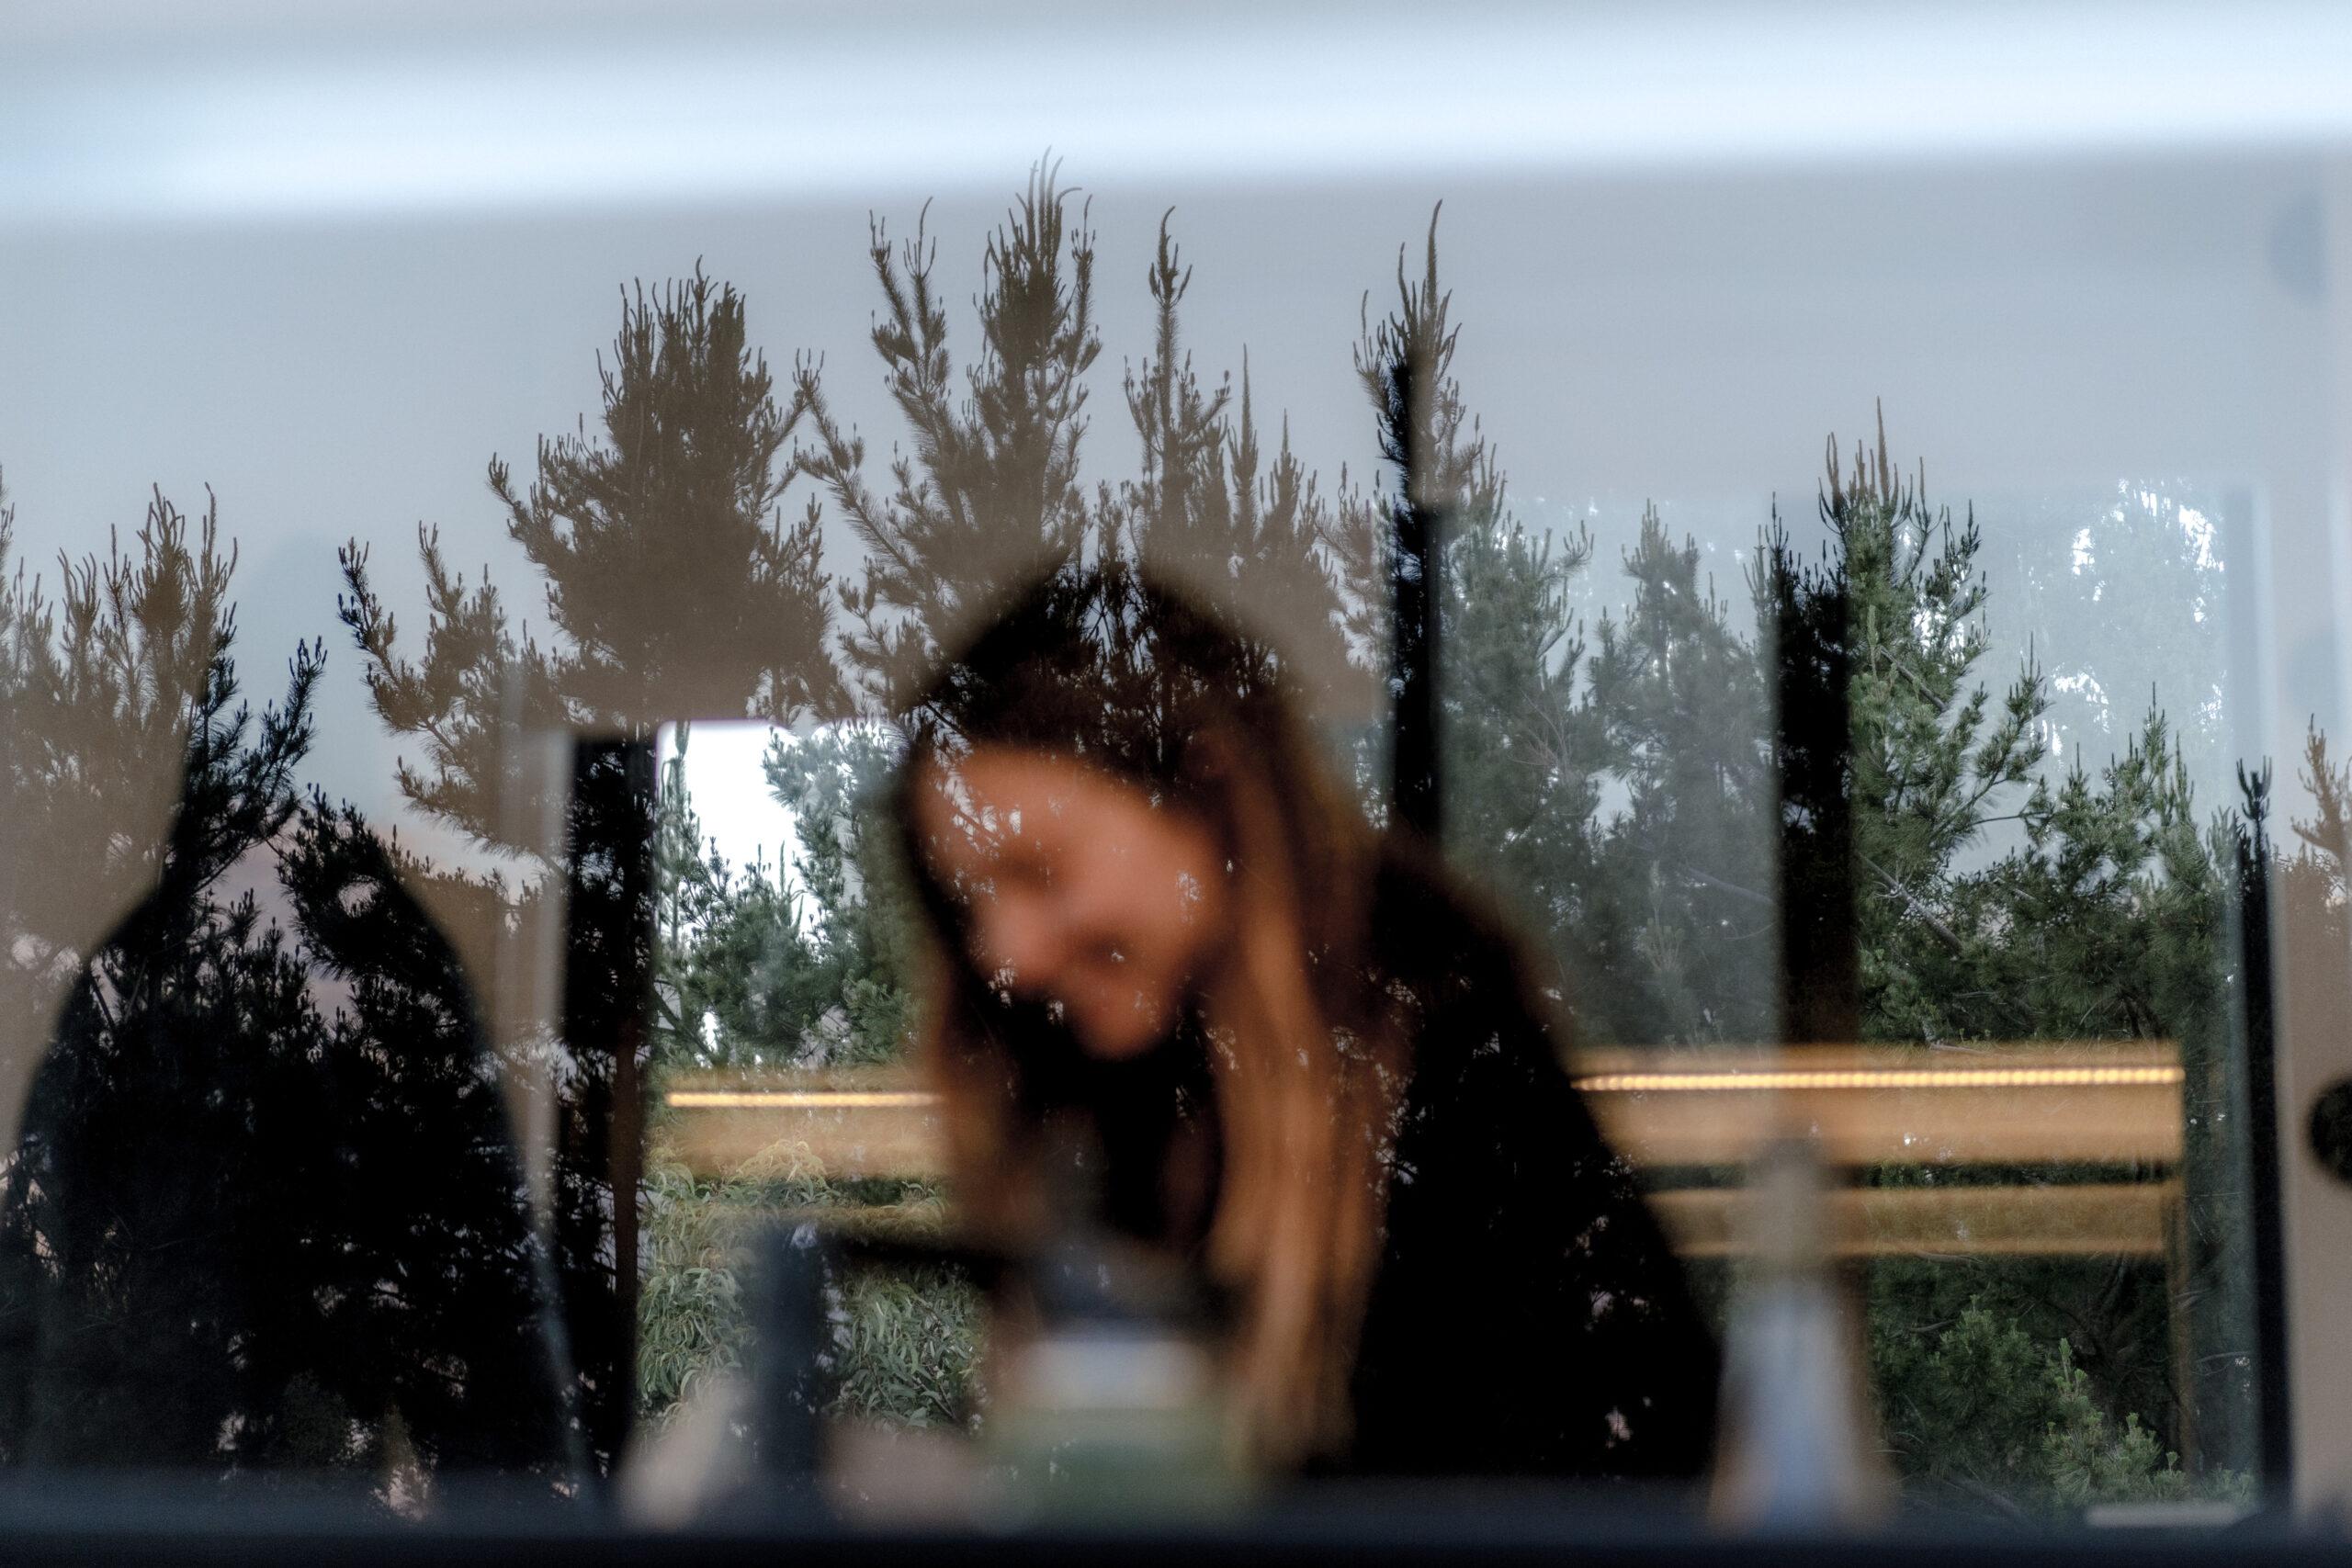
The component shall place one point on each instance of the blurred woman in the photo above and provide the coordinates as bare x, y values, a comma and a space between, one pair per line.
1317, 1072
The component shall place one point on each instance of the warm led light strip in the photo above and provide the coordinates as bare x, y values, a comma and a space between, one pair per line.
1607, 1083
1888, 1078
798, 1098
1610, 1082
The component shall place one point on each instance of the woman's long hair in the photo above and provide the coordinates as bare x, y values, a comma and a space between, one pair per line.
1306, 1049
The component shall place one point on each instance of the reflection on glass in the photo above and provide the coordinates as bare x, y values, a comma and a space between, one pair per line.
263, 1212
1312, 1069
1855, 821
669, 577
1819, 811
2057, 1274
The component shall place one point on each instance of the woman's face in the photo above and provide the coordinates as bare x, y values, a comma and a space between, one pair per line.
1077, 890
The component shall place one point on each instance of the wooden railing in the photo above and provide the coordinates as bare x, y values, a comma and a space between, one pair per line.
2101, 1121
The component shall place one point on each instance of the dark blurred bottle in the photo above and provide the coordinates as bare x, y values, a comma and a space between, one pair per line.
792, 1363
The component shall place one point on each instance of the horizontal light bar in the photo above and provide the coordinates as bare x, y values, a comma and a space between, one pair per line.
799, 1098
1733, 1081
1885, 1078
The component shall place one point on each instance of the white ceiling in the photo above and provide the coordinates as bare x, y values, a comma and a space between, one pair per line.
132, 108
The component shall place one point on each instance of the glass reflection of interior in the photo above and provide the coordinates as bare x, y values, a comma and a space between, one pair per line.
503, 1009
1828, 779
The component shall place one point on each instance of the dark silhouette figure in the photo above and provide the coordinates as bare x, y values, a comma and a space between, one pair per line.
264, 1214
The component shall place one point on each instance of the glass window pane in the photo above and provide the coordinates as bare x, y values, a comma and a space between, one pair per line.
1565, 752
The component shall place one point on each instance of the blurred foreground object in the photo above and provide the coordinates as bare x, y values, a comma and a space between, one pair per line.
755, 1438
1799, 1447
1107, 1393
792, 1363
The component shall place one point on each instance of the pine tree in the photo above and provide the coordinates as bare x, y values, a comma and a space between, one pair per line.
1658, 913
1930, 762
262, 1211
1442, 481
2104, 919
989, 493
674, 584
95, 686
988, 498
1523, 756
806, 966
674, 587
848, 990
1678, 921
1200, 515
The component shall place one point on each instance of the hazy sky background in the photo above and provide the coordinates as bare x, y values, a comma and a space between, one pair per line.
331, 268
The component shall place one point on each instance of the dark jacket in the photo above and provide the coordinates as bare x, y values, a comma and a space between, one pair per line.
1528, 1317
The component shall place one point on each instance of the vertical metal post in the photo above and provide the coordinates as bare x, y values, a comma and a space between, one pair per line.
608, 977
1813, 754
1416, 601
2274, 1431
